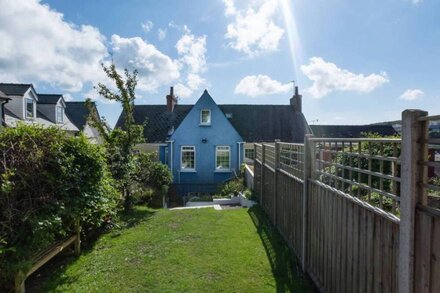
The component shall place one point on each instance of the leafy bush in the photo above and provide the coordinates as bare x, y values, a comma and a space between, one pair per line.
48, 180
151, 180
249, 194
232, 187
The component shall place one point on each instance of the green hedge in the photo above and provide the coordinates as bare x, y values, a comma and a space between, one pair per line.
48, 179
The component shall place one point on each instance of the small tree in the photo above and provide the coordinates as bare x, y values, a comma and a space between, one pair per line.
120, 142
152, 176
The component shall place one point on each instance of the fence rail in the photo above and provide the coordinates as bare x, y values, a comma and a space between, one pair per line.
361, 214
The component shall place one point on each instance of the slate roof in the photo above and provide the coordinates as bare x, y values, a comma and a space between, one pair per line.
350, 131
255, 123
3, 96
266, 123
49, 98
77, 113
15, 89
159, 120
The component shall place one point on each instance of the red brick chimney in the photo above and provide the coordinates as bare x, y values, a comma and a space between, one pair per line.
171, 100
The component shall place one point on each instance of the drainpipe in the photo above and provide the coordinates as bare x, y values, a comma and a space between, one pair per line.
239, 154
2, 105
171, 152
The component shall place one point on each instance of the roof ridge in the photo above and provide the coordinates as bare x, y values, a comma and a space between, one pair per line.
49, 94
12, 83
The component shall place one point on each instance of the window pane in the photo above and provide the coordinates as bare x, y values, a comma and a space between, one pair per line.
206, 117
222, 158
188, 158
29, 108
60, 114
249, 154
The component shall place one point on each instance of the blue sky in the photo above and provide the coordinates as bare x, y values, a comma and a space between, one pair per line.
355, 61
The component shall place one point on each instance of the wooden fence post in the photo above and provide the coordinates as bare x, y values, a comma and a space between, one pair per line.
275, 191
307, 159
263, 154
413, 133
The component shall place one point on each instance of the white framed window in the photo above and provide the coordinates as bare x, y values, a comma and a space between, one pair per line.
205, 117
188, 158
249, 154
60, 114
222, 158
29, 108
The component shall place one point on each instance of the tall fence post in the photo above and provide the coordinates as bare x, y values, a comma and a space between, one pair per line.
275, 191
307, 174
413, 134
263, 155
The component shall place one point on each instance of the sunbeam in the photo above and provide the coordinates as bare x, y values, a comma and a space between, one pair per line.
292, 34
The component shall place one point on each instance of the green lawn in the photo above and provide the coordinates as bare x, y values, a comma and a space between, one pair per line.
200, 250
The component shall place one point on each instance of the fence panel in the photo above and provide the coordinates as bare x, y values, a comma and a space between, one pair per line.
257, 179
289, 210
345, 224
427, 218
353, 246
268, 195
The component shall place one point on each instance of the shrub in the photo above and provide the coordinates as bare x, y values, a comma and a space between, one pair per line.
249, 194
151, 180
232, 187
48, 180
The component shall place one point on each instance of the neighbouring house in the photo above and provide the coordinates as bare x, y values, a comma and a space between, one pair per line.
78, 114
3, 100
204, 144
21, 103
351, 131
27, 106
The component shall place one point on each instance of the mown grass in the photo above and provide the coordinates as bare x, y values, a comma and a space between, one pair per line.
200, 250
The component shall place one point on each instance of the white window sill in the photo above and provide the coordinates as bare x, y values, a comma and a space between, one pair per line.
222, 171
204, 124
188, 171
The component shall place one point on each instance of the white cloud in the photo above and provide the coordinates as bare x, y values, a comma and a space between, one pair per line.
257, 85
229, 7
181, 28
161, 34
192, 56
411, 94
416, 2
182, 91
192, 52
327, 77
155, 68
253, 30
38, 45
195, 81
147, 26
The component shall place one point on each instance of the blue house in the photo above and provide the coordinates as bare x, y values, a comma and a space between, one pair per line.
205, 144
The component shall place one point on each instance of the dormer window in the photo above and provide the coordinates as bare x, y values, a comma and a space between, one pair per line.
60, 114
205, 117
29, 108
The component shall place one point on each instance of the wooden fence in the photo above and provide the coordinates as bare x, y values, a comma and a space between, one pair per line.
361, 214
